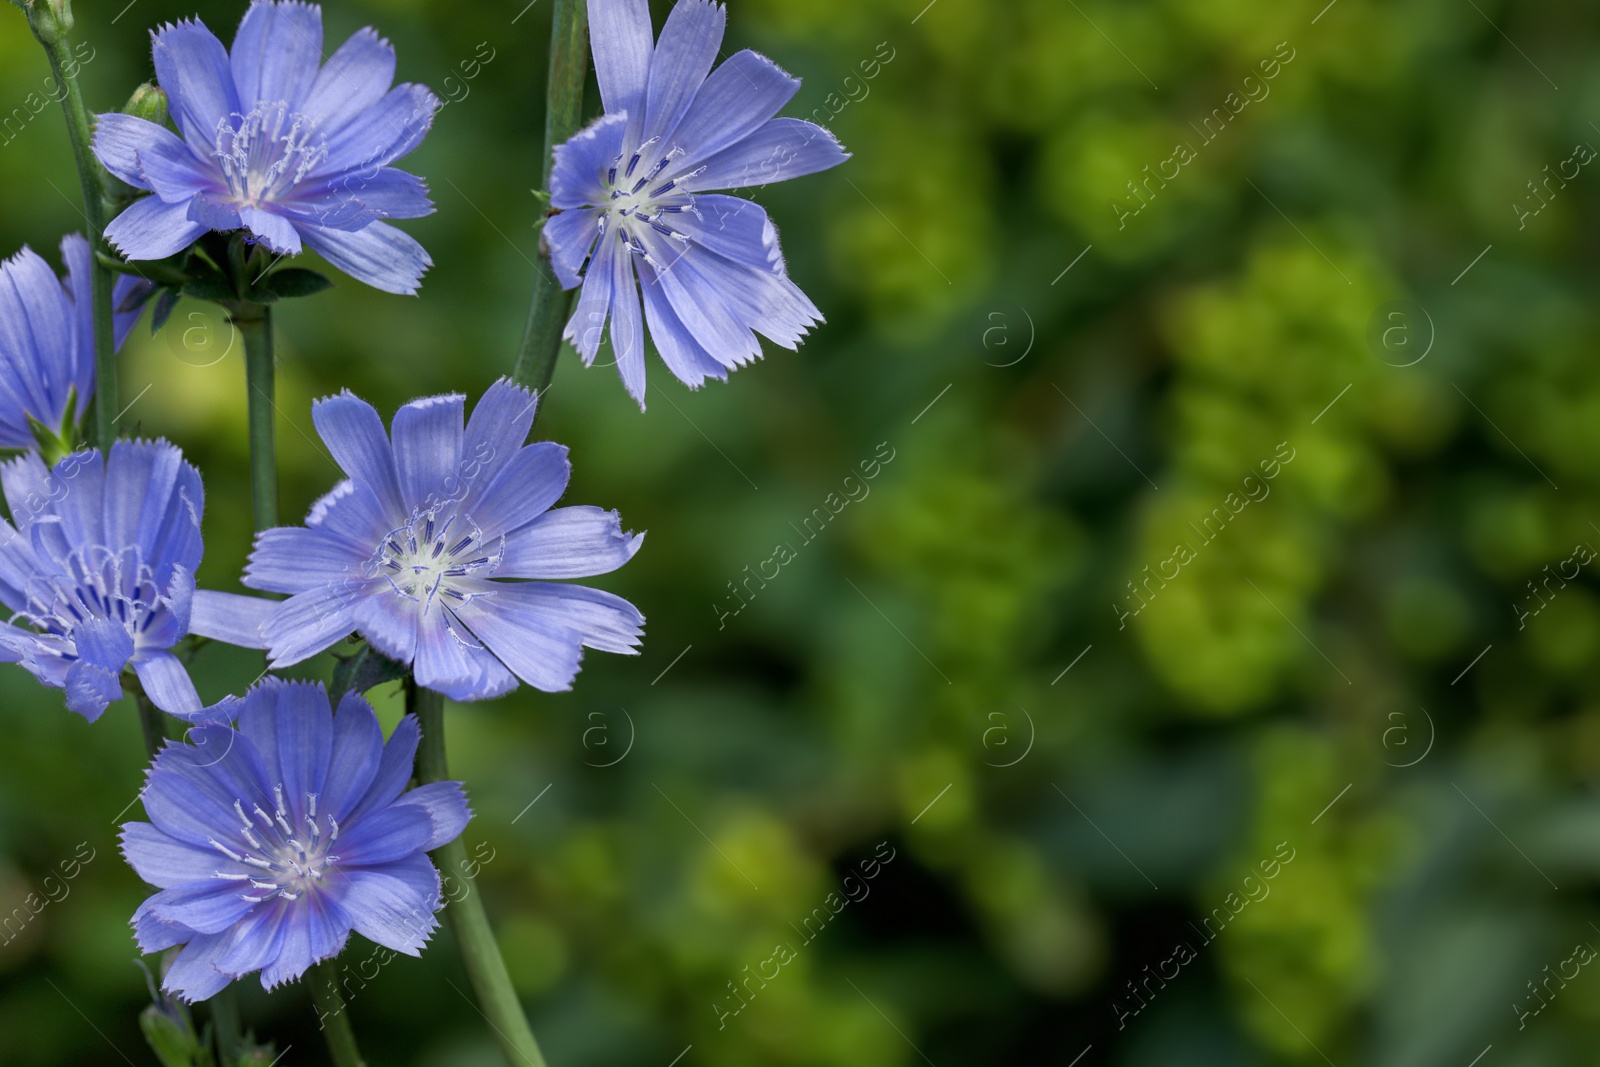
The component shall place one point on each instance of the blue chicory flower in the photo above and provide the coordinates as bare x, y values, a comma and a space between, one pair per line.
272, 841
47, 338
277, 143
99, 570
424, 547
633, 192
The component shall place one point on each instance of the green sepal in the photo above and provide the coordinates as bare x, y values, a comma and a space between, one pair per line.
162, 311
361, 670
56, 443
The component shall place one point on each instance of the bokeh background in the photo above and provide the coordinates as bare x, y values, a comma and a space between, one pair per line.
1354, 270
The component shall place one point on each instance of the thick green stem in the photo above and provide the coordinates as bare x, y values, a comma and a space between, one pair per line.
569, 65
470, 923
255, 324
51, 22
331, 1015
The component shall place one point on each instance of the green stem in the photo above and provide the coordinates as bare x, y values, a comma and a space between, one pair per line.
154, 723
51, 22
225, 1021
569, 65
331, 1015
255, 324
469, 921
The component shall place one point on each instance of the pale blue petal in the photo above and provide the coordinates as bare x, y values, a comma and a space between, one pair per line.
735, 101
573, 542
230, 618
779, 150
446, 806
192, 67
152, 229
166, 682
378, 254
619, 31
689, 43
353, 79
277, 52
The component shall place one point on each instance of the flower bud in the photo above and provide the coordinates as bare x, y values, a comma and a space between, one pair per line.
148, 102
51, 20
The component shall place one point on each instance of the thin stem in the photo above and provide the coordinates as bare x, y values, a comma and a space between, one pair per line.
474, 938
225, 1020
332, 1017
51, 23
153, 721
255, 324
569, 65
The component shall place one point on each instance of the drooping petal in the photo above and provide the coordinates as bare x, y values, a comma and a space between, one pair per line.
272, 229
627, 327
572, 542
194, 976
453, 662
317, 931
587, 326
683, 354
378, 254
736, 228
153, 229
166, 682
311, 622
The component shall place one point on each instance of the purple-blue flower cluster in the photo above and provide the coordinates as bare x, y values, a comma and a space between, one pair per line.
428, 547
638, 210
279, 826
293, 151
270, 841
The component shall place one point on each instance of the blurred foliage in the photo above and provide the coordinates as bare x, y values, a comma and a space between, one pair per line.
949, 672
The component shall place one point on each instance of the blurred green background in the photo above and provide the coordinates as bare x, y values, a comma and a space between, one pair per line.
1338, 673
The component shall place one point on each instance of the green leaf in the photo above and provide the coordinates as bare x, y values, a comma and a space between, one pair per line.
293, 282
361, 671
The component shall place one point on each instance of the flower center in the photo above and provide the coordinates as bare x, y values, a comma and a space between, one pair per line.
639, 199
290, 859
423, 558
98, 584
265, 153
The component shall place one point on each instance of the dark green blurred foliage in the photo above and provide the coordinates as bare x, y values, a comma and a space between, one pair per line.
1301, 683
